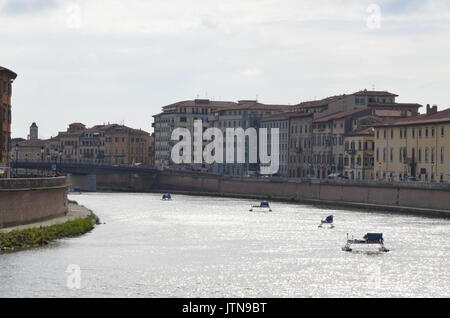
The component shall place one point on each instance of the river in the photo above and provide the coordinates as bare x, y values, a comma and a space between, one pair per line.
214, 247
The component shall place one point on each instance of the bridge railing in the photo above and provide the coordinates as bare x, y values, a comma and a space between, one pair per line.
69, 166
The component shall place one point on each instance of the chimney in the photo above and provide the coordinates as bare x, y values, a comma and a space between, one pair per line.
431, 110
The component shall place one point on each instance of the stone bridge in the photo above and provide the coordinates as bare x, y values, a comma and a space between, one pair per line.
89, 176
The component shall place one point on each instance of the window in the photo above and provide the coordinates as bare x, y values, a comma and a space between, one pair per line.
360, 100
426, 155
442, 131
432, 154
392, 155
420, 154
442, 155
413, 132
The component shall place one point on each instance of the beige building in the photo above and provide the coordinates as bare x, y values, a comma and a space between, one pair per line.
417, 147
32, 149
7, 77
250, 114
300, 146
180, 115
380, 100
358, 156
102, 144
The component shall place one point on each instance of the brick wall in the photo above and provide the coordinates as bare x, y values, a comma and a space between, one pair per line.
24, 201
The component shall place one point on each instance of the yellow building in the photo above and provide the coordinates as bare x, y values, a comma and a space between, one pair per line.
103, 144
358, 157
6, 79
417, 147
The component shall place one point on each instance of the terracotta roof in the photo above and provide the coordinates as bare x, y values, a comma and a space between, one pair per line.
201, 103
390, 113
32, 143
374, 93
331, 99
321, 102
405, 105
9, 72
286, 115
256, 105
439, 117
339, 115
369, 131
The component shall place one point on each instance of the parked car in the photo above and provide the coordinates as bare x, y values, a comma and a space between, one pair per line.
411, 179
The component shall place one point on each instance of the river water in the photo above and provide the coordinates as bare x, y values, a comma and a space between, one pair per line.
215, 247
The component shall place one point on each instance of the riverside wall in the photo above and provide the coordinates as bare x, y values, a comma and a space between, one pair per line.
417, 198
25, 201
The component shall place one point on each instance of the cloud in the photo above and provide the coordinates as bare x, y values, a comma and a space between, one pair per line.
16, 7
139, 55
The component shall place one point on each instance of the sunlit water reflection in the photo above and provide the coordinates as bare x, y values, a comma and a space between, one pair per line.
215, 247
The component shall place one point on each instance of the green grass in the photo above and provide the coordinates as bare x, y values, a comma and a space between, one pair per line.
73, 202
43, 235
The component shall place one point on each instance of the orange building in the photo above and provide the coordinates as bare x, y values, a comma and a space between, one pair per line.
6, 79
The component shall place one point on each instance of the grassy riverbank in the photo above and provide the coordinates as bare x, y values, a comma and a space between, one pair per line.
33, 237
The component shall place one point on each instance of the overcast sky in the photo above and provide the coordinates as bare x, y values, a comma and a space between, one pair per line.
100, 61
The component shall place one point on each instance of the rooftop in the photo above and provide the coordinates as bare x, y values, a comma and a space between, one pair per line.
249, 105
32, 143
201, 103
9, 72
439, 117
286, 115
369, 131
339, 115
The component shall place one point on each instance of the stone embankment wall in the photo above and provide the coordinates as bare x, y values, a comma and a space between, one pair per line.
24, 201
432, 199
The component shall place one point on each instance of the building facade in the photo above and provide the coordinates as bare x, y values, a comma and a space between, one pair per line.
32, 149
380, 100
102, 144
300, 146
280, 122
7, 78
417, 147
181, 115
248, 114
359, 154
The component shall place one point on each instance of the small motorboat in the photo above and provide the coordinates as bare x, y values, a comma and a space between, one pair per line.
263, 206
368, 240
328, 221
166, 197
